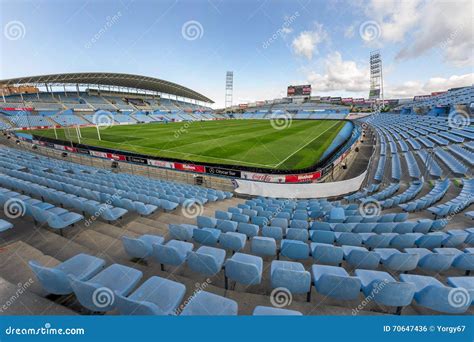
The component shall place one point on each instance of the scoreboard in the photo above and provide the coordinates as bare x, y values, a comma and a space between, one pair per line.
300, 90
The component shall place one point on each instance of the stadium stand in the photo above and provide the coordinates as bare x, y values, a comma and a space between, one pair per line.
133, 234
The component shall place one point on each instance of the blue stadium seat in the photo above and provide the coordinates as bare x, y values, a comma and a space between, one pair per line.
263, 246
385, 290
54, 279
273, 232
206, 222
326, 253
431, 293
206, 236
141, 247
395, 260
174, 252
360, 257
244, 268
226, 225
430, 261
101, 287
248, 229
271, 311
209, 304
294, 249
206, 260
297, 234
156, 296
233, 241
335, 282
291, 276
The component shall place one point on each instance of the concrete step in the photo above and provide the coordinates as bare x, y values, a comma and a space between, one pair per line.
19, 300
106, 247
112, 231
140, 228
153, 223
14, 266
59, 247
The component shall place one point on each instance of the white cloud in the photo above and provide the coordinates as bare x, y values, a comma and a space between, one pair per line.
411, 88
422, 25
350, 78
340, 75
395, 17
286, 30
306, 43
447, 28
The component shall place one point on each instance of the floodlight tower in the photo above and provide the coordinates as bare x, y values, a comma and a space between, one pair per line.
229, 89
376, 77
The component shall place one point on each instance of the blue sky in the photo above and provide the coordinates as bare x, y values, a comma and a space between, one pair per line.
268, 44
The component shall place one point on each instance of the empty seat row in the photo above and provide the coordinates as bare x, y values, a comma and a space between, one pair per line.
380, 286
436, 194
247, 269
296, 240
102, 289
463, 153
431, 165
41, 212
457, 204
411, 192
452, 163
421, 226
81, 204
412, 165
385, 193
396, 167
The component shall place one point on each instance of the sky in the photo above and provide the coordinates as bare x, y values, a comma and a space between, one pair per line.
426, 46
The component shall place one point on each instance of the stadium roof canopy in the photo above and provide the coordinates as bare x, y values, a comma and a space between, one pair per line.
109, 79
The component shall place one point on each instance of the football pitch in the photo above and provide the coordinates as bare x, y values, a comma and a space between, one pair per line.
251, 143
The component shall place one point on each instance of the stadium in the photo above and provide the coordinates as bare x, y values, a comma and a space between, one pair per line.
129, 195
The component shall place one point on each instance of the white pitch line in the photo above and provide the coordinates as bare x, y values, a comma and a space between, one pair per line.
190, 154
309, 142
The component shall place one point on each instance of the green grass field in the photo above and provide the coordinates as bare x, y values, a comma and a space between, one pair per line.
254, 143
